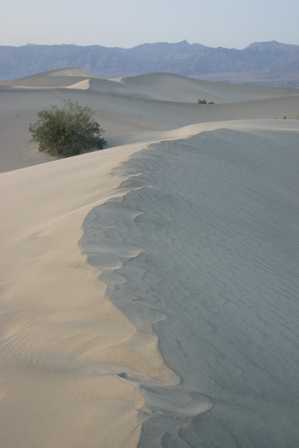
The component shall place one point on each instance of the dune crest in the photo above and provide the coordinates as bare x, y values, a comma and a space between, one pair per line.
80, 85
64, 348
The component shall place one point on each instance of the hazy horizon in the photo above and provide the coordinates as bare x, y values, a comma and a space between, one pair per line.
131, 23
143, 43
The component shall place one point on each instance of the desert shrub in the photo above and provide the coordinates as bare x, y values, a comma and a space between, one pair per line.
67, 131
204, 101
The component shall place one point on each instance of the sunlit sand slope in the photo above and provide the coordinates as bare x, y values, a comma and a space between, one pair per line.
64, 347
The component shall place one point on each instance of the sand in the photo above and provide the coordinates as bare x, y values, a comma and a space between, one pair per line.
148, 291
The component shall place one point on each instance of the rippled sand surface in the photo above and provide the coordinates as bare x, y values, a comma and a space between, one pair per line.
204, 246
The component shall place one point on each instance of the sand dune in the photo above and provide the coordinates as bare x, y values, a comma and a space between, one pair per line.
149, 291
168, 87
215, 218
51, 79
62, 343
157, 86
127, 114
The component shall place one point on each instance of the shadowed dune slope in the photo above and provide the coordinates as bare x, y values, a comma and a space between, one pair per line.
214, 220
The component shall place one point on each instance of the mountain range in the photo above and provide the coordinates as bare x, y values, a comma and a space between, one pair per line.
265, 62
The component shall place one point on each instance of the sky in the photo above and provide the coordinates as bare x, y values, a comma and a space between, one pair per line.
125, 23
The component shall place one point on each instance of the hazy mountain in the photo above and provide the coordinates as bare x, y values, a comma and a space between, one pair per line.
266, 61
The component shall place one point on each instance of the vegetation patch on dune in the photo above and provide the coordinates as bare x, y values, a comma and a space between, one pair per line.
67, 131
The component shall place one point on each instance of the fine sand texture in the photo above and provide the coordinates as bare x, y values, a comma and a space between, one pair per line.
63, 346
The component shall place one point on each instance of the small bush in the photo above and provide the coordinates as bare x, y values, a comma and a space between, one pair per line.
67, 131
204, 101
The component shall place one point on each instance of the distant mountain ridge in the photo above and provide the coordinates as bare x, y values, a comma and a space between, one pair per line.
271, 62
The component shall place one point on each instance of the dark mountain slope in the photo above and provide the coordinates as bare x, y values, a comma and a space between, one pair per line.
267, 61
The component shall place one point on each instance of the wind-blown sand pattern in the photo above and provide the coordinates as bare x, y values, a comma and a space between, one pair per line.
216, 220
149, 292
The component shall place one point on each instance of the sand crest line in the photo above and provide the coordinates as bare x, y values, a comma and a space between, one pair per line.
57, 324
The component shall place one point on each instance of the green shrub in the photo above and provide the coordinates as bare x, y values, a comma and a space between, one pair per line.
67, 131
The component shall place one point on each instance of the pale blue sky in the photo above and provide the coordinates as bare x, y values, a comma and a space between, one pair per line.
231, 23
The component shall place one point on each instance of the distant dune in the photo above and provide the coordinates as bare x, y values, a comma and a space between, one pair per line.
168, 87
135, 109
149, 292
